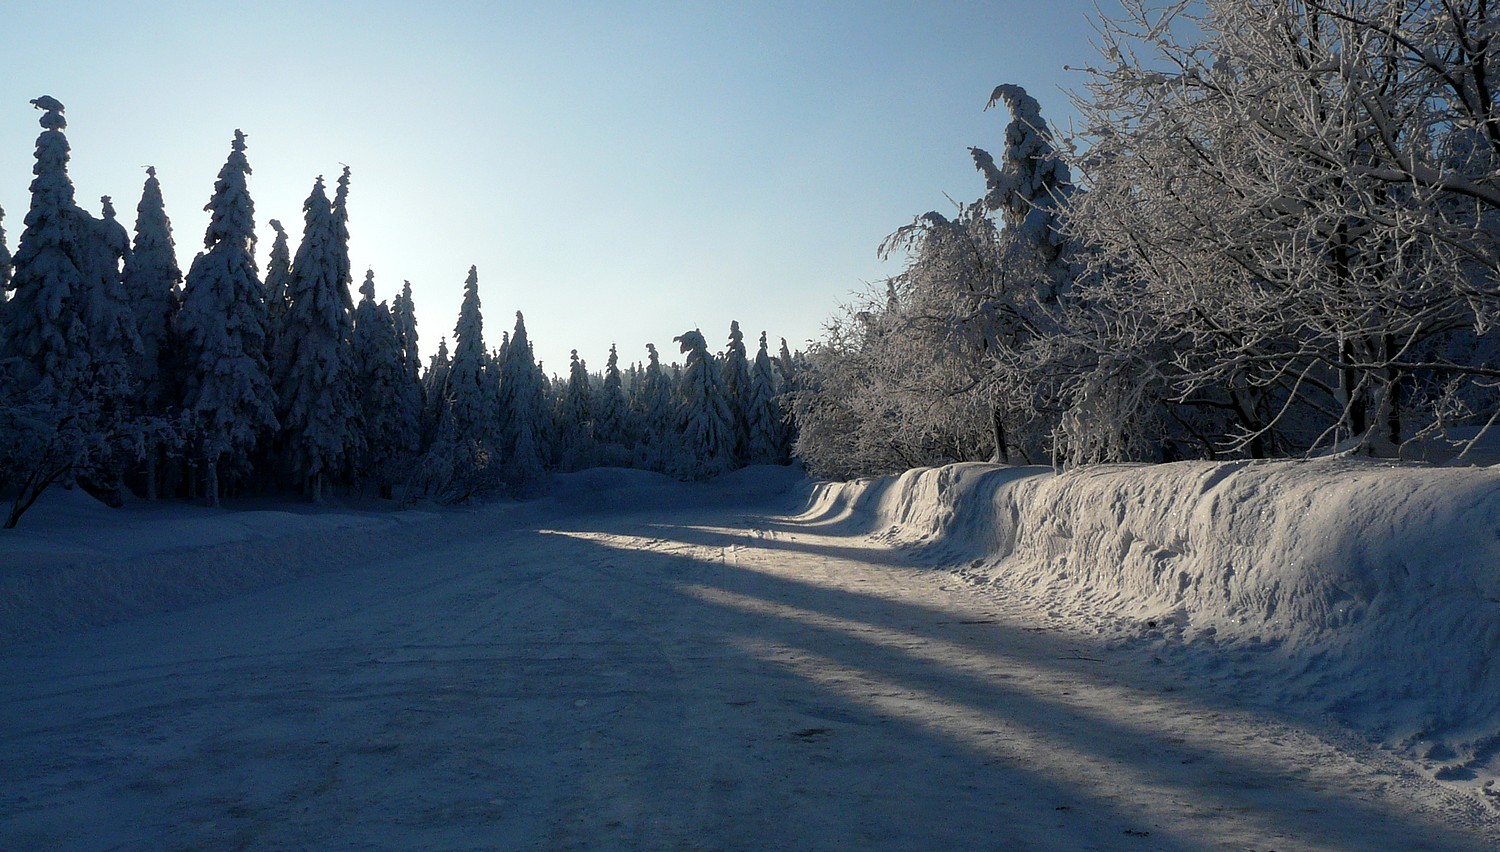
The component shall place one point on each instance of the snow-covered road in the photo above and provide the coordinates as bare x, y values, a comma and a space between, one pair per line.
709, 678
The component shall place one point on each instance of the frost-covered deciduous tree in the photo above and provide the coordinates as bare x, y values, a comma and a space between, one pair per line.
939, 364
704, 418
222, 326
319, 405
1279, 188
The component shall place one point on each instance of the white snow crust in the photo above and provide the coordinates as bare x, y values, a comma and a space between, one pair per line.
1368, 591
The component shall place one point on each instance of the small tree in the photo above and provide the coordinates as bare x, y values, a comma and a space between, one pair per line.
575, 418
614, 428
767, 442
655, 407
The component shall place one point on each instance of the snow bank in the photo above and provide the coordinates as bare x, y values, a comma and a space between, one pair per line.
1370, 591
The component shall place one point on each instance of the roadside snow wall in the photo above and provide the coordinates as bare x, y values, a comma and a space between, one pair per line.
1366, 590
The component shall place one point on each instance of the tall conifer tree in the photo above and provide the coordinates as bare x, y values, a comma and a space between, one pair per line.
734, 370
404, 314
523, 407
278, 277
46, 333
344, 268
704, 419
222, 326
575, 418
612, 421
471, 404
767, 429
390, 404
154, 284
318, 401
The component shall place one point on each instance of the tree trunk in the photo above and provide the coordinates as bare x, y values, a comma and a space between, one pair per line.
211, 487
997, 424
151, 465
1354, 407
1393, 381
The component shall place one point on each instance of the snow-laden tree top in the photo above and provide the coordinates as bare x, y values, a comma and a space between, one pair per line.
52, 119
1028, 184
232, 213
690, 341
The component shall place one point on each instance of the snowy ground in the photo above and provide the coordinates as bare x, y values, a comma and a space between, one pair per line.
638, 664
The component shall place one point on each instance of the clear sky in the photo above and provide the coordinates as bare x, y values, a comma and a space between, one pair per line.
621, 172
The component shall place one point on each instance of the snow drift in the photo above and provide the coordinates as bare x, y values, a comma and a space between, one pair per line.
1369, 591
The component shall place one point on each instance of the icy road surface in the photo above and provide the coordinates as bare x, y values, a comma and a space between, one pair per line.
707, 679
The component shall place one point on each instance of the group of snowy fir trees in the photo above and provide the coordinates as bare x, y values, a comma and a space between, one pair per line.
118, 372
1276, 233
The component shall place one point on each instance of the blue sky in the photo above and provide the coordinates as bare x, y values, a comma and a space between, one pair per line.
619, 172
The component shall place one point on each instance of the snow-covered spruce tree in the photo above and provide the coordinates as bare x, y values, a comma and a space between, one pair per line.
655, 406
523, 410
1032, 183
404, 314
115, 348
319, 405
767, 441
66, 388
786, 364
154, 284
575, 418
734, 371
45, 336
222, 327
390, 400
5, 268
471, 404
435, 391
704, 418
614, 427
345, 270
278, 277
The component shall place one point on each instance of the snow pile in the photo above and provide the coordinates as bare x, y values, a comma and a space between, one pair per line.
1369, 591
